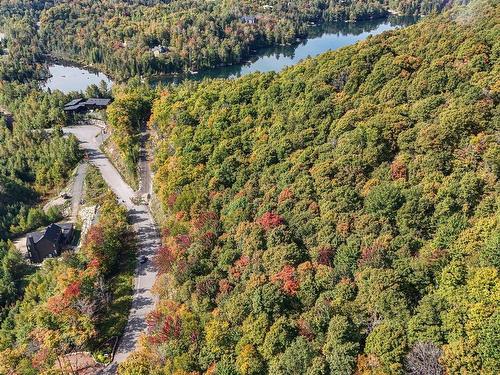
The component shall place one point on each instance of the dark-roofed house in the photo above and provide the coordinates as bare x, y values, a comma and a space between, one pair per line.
95, 103
74, 102
50, 243
81, 105
76, 105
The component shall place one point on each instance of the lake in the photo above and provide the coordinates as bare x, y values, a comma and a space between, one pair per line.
67, 78
321, 39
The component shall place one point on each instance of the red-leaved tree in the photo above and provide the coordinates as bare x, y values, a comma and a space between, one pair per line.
287, 277
270, 220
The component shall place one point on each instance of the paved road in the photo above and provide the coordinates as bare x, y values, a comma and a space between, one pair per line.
77, 190
147, 234
146, 186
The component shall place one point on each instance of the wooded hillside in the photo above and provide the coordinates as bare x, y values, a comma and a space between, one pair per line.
339, 216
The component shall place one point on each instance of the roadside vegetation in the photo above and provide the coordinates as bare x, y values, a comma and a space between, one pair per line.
127, 170
338, 217
95, 188
126, 120
26, 175
120, 283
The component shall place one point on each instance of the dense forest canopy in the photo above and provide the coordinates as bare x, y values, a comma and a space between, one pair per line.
340, 216
128, 38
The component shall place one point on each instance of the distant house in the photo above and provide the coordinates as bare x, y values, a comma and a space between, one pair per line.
50, 243
8, 119
159, 50
248, 19
82, 105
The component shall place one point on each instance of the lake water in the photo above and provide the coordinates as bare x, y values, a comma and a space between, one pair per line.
321, 39
71, 78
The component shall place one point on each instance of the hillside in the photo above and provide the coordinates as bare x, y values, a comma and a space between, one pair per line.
341, 216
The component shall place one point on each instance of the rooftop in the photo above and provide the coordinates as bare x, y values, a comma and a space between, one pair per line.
73, 102
35, 236
80, 103
73, 107
96, 101
248, 19
53, 233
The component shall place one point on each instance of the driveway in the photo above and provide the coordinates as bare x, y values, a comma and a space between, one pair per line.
148, 238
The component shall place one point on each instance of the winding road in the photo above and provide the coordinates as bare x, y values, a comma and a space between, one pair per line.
143, 302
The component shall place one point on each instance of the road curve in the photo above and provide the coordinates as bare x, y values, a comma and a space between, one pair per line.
143, 302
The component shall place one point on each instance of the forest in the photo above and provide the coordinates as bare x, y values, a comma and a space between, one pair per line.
339, 217
125, 39
34, 162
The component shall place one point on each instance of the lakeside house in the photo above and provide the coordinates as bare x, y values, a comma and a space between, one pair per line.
82, 105
50, 243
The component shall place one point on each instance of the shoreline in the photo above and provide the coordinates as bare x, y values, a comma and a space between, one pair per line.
255, 53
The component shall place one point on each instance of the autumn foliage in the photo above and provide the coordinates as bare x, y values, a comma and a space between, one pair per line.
286, 277
339, 217
270, 220
66, 301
